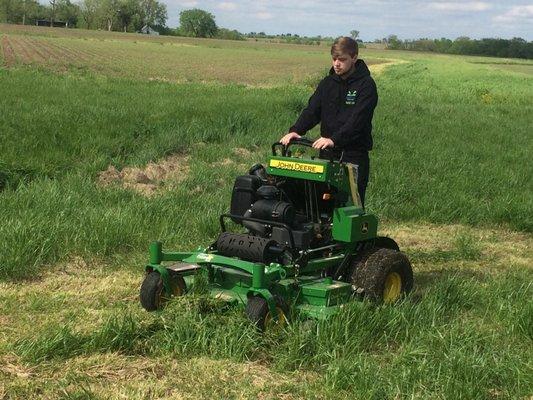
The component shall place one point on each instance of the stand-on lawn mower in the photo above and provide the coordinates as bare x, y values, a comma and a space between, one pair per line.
308, 246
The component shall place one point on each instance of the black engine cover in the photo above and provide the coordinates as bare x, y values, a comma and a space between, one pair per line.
244, 193
273, 210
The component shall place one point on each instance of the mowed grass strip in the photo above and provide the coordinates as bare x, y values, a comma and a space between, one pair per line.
116, 376
465, 333
522, 69
7, 55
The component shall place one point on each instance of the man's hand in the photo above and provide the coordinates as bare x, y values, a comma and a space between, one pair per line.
323, 143
288, 137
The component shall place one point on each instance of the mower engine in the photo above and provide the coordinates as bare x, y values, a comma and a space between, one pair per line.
293, 203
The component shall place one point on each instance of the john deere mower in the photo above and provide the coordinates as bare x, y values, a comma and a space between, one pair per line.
301, 244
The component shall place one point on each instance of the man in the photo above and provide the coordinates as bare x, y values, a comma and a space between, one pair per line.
344, 104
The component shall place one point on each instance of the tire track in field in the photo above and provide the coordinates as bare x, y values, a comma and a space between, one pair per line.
21, 53
72, 58
77, 57
87, 53
104, 57
58, 58
70, 55
83, 58
38, 55
7, 51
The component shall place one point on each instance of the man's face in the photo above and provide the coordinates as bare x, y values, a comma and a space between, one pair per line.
343, 63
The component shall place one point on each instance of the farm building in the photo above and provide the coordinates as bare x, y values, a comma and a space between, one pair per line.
56, 24
148, 30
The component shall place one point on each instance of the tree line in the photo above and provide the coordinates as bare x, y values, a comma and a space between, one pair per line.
111, 15
509, 48
132, 15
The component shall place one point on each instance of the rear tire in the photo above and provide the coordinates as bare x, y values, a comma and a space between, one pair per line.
153, 295
382, 275
385, 242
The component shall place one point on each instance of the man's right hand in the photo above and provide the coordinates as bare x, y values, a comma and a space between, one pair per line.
288, 137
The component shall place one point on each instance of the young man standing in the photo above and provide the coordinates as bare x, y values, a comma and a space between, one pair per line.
343, 103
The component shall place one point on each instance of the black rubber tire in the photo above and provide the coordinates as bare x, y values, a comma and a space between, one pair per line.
152, 294
371, 268
257, 310
385, 242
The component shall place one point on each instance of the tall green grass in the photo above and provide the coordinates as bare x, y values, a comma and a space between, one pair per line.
457, 339
451, 146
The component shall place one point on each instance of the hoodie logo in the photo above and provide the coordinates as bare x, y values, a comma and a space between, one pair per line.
350, 97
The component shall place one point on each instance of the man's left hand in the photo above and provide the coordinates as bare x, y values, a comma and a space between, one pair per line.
323, 143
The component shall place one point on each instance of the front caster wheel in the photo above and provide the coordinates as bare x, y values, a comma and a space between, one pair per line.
153, 295
258, 312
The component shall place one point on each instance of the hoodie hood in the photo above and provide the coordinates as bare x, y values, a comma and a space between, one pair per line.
361, 71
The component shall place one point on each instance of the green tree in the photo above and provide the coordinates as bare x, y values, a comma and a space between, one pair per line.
108, 13
22, 11
151, 12
393, 42
227, 34
89, 12
10, 10
126, 13
198, 23
461, 45
354, 34
68, 12
3, 12
53, 4
31, 11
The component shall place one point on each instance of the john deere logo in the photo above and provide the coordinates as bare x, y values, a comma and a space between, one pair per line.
364, 228
297, 166
350, 97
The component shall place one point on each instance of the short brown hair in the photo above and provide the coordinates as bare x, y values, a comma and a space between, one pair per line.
344, 45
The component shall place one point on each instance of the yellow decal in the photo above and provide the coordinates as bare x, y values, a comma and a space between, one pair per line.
297, 166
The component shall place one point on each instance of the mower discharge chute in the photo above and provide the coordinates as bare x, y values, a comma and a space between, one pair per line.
306, 245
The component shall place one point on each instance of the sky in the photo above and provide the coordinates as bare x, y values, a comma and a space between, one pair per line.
408, 19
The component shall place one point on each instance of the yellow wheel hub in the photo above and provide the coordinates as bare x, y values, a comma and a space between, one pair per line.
276, 323
162, 297
393, 287
177, 290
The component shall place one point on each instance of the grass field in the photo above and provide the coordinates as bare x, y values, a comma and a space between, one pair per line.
163, 58
87, 116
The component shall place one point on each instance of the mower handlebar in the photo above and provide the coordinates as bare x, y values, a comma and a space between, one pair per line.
301, 141
329, 153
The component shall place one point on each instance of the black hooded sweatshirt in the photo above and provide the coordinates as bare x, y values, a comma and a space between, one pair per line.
345, 108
